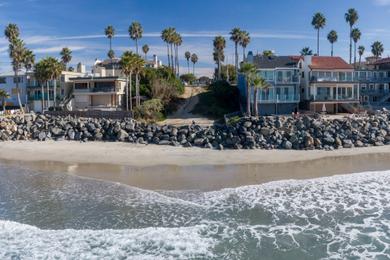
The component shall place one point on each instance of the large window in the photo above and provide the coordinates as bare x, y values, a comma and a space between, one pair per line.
3, 80
81, 85
267, 74
18, 79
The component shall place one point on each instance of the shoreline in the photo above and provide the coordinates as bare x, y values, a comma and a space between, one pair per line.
176, 168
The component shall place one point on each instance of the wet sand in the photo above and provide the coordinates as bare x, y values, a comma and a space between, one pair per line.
169, 168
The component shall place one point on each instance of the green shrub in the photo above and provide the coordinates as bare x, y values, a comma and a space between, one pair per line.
150, 110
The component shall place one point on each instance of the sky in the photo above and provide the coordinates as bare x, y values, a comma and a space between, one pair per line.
283, 26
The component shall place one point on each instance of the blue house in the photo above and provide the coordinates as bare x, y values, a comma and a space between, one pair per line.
282, 73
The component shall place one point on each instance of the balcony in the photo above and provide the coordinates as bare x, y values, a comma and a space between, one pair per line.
271, 98
104, 89
330, 79
288, 80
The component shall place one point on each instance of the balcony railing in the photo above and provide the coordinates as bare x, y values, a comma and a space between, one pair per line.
104, 89
271, 98
334, 98
330, 79
288, 80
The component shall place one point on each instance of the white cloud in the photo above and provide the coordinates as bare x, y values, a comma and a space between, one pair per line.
56, 49
382, 2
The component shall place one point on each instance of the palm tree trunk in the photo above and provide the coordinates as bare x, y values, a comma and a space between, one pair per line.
54, 93
332, 51
138, 99
193, 68
43, 96
18, 90
256, 108
169, 61
178, 63
173, 65
219, 69
188, 65
136, 46
110, 44
244, 53
130, 91
360, 60
48, 94
236, 55
127, 93
354, 55
318, 42
350, 45
248, 99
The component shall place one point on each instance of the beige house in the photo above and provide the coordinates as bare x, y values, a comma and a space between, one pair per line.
99, 93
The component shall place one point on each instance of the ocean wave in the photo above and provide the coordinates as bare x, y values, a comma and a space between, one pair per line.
20, 241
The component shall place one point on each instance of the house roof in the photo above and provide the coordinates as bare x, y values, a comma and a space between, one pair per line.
329, 63
264, 62
382, 61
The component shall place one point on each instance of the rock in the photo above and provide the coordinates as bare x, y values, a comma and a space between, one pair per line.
122, 135
348, 144
42, 136
198, 141
287, 145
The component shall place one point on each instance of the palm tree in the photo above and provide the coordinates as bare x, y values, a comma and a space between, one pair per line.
318, 22
127, 62
306, 51
332, 38
17, 54
135, 33
66, 56
145, 50
249, 70
3, 96
187, 55
351, 17
377, 49
164, 37
54, 68
110, 33
268, 53
356, 34
41, 73
29, 60
219, 46
235, 36
194, 60
179, 42
258, 83
244, 42
111, 54
361, 50
12, 32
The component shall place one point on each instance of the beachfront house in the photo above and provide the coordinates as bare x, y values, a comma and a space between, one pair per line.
328, 85
106, 93
282, 74
38, 101
8, 84
374, 82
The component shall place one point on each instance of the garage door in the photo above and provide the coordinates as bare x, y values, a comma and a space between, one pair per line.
101, 101
81, 102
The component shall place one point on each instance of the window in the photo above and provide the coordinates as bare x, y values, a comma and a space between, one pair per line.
280, 76
341, 76
3, 80
81, 85
18, 79
363, 75
364, 86
349, 76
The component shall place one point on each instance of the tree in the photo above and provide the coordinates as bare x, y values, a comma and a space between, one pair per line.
235, 36
268, 53
244, 42
177, 42
54, 68
17, 54
164, 37
187, 55
66, 56
111, 54
188, 78
194, 60
135, 33
29, 60
318, 22
306, 51
110, 33
377, 49
3, 96
168, 35
361, 50
351, 17
41, 74
332, 38
127, 62
249, 70
145, 50
228, 73
355, 34
219, 56
258, 84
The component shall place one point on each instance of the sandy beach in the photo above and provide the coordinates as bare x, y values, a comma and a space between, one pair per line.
175, 168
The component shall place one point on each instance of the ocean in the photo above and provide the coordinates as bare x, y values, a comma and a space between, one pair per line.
59, 216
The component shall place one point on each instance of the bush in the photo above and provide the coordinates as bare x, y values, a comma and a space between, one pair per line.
150, 110
188, 78
220, 99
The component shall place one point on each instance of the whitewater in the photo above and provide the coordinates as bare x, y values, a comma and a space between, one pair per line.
57, 216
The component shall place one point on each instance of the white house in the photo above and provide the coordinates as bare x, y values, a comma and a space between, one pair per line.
8, 83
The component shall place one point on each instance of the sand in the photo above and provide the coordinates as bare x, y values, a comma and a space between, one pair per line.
176, 168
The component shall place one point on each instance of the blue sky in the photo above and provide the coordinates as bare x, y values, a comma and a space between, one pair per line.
280, 25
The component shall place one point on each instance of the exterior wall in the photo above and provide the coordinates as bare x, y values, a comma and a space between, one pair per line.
8, 84
277, 109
